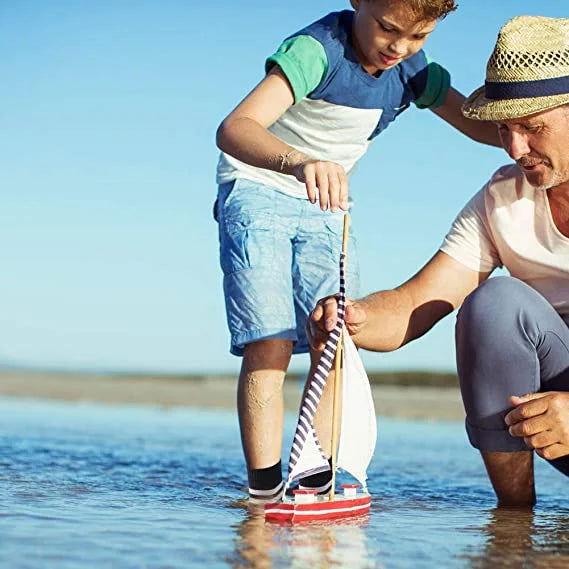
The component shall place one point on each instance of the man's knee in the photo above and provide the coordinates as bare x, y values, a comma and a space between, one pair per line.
495, 303
494, 360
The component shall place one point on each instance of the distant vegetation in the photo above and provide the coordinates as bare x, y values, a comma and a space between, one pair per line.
398, 378
408, 378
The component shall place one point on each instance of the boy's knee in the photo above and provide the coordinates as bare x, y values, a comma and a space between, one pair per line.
263, 371
262, 387
267, 354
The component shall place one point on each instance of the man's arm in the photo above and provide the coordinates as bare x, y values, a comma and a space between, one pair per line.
481, 131
386, 320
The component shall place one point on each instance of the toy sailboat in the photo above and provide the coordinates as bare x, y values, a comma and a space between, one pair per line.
353, 430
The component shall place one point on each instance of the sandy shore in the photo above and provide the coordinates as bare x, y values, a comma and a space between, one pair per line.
432, 403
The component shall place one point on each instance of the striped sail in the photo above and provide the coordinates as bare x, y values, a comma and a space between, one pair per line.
306, 455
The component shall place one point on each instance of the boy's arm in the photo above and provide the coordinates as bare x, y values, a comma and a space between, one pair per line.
481, 131
386, 320
244, 135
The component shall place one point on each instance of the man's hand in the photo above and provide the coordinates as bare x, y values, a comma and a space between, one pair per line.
324, 318
542, 419
327, 180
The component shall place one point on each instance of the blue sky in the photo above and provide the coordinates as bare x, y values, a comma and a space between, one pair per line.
108, 111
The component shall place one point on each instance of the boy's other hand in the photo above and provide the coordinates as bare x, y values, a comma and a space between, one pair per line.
324, 317
326, 181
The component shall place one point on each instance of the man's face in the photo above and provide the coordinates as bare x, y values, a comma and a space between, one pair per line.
386, 33
540, 146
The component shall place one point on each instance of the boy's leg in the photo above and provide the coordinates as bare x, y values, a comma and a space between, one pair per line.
322, 482
261, 413
260, 401
256, 225
323, 415
509, 341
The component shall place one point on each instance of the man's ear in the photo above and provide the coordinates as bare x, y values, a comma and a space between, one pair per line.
355, 4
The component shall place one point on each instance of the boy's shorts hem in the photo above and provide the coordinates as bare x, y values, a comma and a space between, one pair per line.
239, 342
494, 440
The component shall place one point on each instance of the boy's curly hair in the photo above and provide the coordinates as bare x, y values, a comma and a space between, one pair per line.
429, 9
434, 9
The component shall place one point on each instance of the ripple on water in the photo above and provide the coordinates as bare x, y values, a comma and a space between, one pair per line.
93, 486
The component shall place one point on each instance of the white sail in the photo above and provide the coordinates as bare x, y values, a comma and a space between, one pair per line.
358, 426
358, 432
311, 459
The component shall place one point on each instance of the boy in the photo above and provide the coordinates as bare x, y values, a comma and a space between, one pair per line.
329, 90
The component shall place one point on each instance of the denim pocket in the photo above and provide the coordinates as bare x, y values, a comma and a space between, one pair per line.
246, 232
246, 243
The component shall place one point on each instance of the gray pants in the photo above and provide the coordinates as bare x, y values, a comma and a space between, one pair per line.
509, 341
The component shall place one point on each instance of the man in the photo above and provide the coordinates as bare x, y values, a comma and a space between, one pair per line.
512, 333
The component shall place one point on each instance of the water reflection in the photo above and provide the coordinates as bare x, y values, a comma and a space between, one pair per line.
129, 478
523, 538
262, 545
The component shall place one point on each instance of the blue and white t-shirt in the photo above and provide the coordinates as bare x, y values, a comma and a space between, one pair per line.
338, 108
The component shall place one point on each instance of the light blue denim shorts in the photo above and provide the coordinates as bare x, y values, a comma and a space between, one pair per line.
279, 255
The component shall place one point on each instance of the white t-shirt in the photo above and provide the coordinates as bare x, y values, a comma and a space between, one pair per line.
509, 223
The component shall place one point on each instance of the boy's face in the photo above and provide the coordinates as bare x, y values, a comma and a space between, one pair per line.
386, 33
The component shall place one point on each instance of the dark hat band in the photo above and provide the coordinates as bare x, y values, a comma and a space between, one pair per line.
527, 89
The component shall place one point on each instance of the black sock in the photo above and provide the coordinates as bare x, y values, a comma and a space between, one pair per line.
265, 482
319, 481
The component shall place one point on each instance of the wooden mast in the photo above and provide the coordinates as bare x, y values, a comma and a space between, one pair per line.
337, 408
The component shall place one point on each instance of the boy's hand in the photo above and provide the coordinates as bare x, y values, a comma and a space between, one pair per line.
327, 180
324, 317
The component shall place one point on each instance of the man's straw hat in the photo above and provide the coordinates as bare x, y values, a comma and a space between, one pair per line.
528, 71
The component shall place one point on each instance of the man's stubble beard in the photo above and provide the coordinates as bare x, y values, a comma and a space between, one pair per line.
558, 177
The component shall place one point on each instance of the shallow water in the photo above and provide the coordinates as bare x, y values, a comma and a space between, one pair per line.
85, 485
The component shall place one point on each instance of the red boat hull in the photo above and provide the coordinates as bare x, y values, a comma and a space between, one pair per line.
324, 509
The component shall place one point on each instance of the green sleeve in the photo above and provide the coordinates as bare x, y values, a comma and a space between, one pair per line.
436, 88
303, 61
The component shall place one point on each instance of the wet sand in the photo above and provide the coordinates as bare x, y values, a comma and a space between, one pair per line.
428, 403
